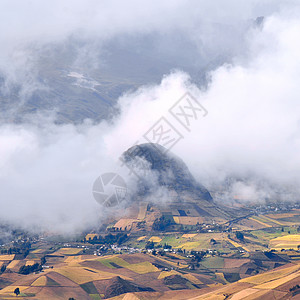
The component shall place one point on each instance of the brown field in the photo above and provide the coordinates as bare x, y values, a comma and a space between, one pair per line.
67, 251
234, 263
188, 220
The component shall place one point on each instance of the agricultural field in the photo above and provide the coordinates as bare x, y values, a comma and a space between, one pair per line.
291, 241
67, 251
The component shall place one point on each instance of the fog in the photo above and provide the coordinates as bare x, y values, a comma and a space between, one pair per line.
247, 79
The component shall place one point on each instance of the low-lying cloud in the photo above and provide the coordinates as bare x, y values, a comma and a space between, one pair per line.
251, 131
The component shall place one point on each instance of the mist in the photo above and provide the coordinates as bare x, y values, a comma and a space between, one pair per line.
245, 74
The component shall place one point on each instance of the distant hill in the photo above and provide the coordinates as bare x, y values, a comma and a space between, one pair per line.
171, 172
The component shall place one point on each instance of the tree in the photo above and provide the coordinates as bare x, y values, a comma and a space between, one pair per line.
239, 235
3, 268
43, 260
149, 245
160, 224
213, 241
17, 291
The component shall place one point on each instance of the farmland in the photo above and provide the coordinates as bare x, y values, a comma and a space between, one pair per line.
207, 264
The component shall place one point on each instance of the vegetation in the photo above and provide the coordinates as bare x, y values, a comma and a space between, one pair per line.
239, 235
25, 270
110, 239
17, 291
162, 223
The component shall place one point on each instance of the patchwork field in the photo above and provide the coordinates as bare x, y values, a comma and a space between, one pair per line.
285, 242
67, 251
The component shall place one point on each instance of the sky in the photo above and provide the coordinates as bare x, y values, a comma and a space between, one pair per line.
248, 144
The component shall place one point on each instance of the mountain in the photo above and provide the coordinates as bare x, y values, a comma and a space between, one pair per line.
169, 170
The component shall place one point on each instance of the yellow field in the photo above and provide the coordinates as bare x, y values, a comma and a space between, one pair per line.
189, 235
37, 251
273, 275
91, 236
275, 283
7, 257
164, 274
10, 289
122, 223
67, 251
155, 239
12, 264
189, 245
80, 275
260, 222
74, 259
41, 281
285, 242
30, 262
141, 238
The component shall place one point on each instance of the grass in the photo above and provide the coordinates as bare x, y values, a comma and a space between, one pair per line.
95, 296
213, 262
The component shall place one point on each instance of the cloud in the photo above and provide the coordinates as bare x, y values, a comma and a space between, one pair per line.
69, 34
251, 130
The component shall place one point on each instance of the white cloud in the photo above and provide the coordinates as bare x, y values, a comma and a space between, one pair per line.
252, 126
